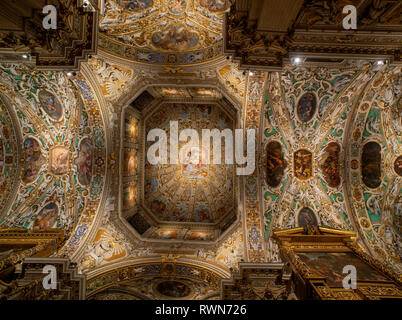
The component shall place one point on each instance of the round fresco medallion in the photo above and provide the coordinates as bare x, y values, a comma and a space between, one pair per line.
306, 107
173, 289
51, 105
177, 6
398, 165
354, 164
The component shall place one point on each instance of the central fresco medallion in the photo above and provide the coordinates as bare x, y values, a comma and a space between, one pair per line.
59, 158
190, 191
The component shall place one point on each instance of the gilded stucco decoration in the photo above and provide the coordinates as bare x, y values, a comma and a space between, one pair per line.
375, 186
254, 238
306, 111
63, 148
350, 140
233, 79
114, 79
9, 156
147, 279
163, 31
228, 253
160, 289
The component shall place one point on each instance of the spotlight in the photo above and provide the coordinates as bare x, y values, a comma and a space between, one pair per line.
85, 4
251, 73
71, 74
380, 62
25, 56
297, 60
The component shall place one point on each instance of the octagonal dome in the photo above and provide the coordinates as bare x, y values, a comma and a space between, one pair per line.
189, 192
186, 200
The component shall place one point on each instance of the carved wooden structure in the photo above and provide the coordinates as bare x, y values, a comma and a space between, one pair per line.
266, 34
311, 283
23, 37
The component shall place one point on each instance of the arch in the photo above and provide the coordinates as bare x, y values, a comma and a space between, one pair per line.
10, 168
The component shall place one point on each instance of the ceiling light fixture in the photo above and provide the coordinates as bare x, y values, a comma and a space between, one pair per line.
251, 73
25, 56
380, 62
297, 60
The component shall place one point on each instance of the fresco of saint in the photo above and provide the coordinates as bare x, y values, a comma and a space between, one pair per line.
33, 160
84, 162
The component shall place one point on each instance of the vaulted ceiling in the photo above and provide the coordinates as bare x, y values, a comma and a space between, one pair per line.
328, 141
173, 32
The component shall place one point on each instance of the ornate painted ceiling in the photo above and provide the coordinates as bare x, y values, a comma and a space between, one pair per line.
167, 32
61, 172
73, 154
9, 156
340, 166
192, 192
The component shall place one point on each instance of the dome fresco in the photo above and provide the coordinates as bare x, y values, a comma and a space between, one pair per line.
191, 192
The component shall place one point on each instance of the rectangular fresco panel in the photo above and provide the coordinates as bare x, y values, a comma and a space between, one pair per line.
331, 264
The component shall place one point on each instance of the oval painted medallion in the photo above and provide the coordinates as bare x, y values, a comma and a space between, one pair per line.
306, 107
